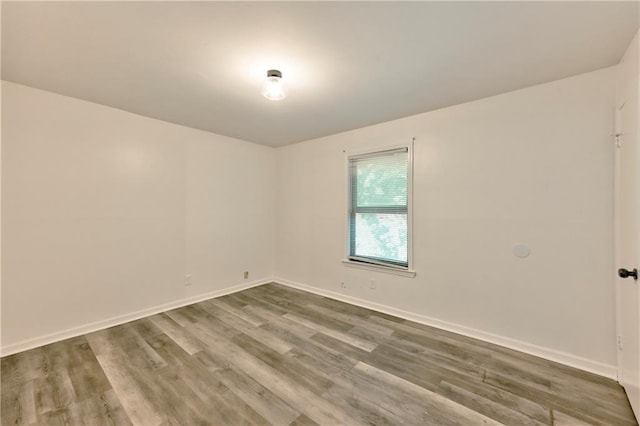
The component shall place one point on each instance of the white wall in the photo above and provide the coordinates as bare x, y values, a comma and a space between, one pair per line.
104, 213
533, 166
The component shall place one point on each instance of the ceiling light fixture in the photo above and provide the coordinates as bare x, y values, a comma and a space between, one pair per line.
273, 87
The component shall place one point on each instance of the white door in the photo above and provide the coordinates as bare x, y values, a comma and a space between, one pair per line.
627, 207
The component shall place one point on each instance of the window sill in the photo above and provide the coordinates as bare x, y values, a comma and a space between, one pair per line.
379, 268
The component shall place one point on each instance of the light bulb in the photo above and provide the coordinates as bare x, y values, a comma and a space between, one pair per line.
273, 87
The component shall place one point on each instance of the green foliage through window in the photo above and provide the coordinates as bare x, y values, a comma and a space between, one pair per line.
378, 211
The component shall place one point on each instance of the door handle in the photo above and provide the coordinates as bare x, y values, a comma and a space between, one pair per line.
625, 273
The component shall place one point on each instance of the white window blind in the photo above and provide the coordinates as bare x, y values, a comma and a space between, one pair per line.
378, 207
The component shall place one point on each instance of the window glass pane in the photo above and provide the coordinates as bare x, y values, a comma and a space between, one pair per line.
381, 180
382, 236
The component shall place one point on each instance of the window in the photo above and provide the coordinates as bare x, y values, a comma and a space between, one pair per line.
379, 208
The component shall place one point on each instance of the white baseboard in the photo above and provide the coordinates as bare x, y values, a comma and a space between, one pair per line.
609, 371
121, 319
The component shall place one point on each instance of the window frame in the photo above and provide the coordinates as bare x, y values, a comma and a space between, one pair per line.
372, 263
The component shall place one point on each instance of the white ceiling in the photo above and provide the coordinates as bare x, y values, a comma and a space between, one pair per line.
348, 64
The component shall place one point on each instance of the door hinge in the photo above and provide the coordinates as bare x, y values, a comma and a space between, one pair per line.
619, 342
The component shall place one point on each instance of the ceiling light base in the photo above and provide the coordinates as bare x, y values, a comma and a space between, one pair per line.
273, 87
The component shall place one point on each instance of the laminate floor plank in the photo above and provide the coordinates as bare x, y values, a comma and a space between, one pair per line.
486, 406
273, 355
270, 406
233, 300
243, 326
438, 409
318, 357
207, 320
448, 343
99, 410
24, 366
177, 333
131, 390
574, 405
561, 419
288, 366
354, 320
18, 404
199, 402
128, 384
336, 345
295, 335
144, 327
552, 368
140, 352
368, 412
360, 343
301, 310
347, 309
53, 393
250, 299
299, 296
303, 420
401, 397
601, 401
505, 398
282, 384
452, 360
180, 316
247, 315
417, 370
561, 380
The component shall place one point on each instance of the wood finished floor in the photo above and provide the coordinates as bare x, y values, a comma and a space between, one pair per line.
274, 355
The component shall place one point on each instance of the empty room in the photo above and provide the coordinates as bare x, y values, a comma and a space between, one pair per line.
320, 213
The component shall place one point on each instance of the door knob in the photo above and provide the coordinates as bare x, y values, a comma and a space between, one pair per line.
625, 273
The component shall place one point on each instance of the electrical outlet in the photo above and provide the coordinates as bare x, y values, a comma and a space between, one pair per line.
372, 284
187, 280
343, 285
246, 275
